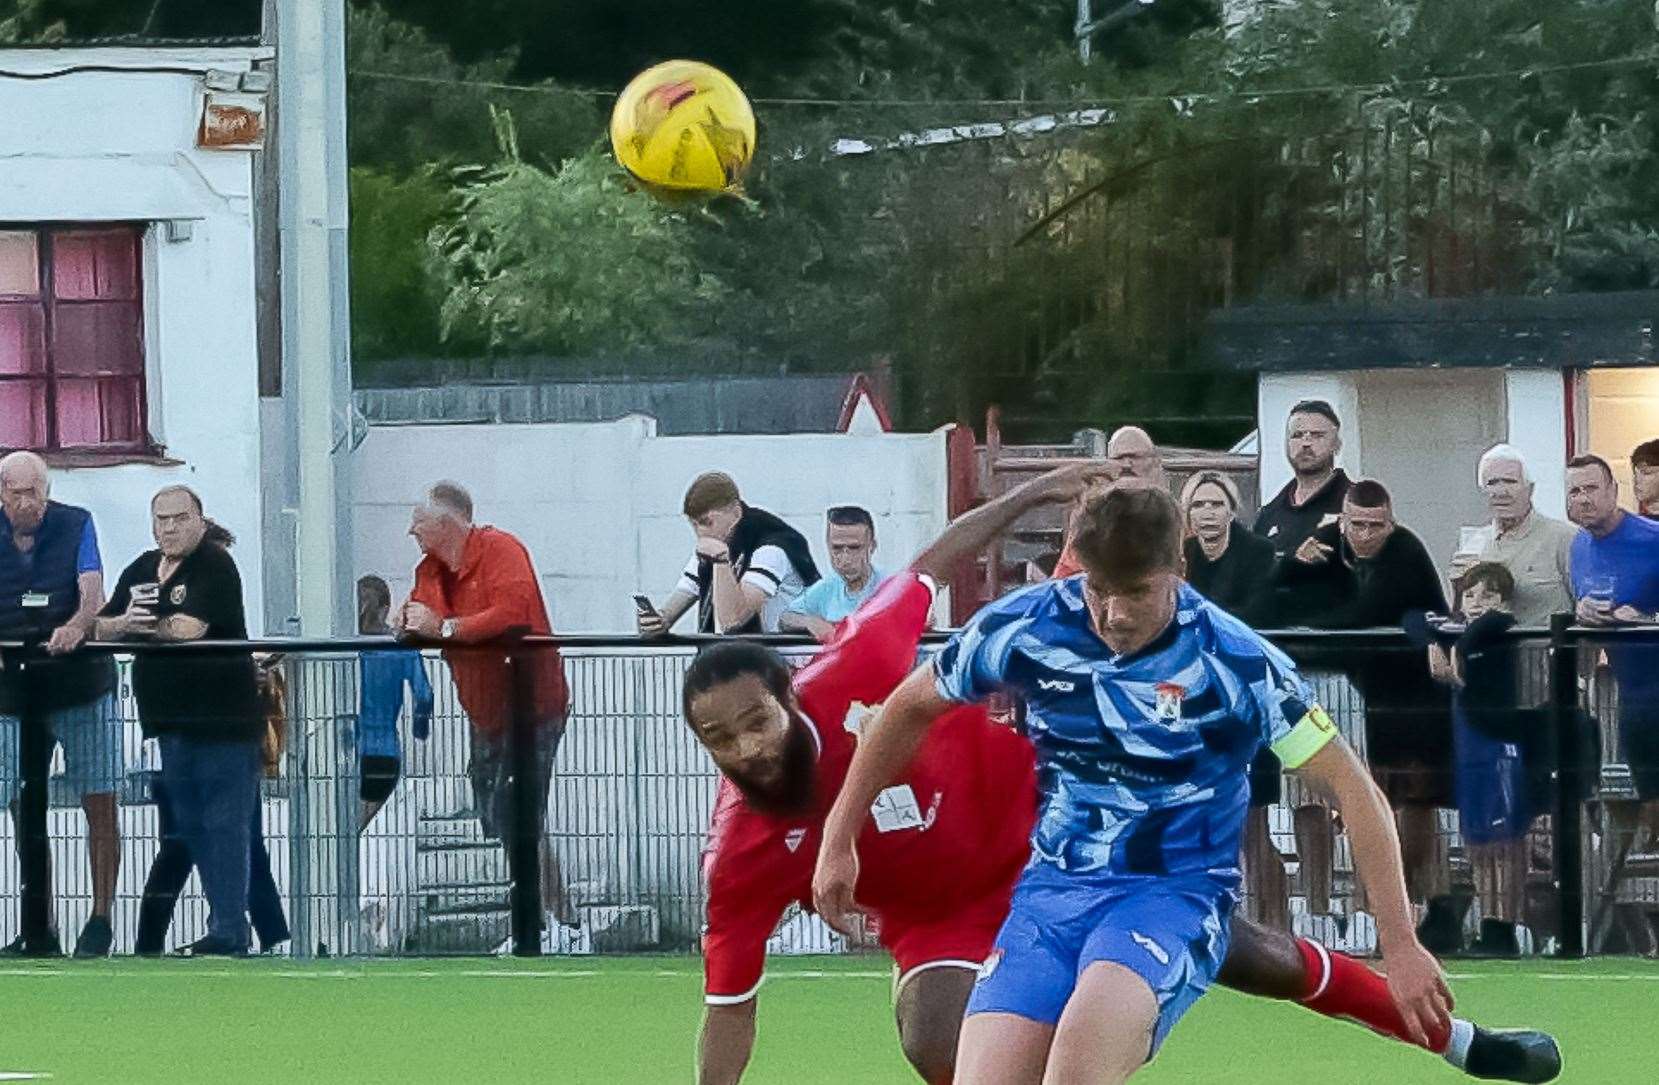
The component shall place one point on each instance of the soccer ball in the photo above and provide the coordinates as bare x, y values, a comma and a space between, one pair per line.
684, 128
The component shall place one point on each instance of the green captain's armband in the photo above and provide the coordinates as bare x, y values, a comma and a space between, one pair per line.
1308, 736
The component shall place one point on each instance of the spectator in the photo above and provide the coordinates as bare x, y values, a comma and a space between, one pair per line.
1644, 465
851, 538
1131, 448
382, 675
1536, 549
1227, 563
51, 586
1615, 569
1313, 498
472, 586
204, 708
170, 871
1231, 566
748, 565
1491, 736
1366, 571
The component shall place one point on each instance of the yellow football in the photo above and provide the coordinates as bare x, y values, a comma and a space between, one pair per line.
684, 127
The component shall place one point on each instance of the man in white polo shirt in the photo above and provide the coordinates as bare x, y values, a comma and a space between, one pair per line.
748, 565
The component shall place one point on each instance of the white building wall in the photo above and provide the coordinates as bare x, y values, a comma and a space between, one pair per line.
1537, 425
119, 147
598, 504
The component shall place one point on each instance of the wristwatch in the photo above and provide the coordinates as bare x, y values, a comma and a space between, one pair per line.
447, 630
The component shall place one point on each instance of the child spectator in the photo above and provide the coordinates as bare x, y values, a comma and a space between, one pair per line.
384, 672
1491, 734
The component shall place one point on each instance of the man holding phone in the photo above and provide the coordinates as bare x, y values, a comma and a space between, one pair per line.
746, 568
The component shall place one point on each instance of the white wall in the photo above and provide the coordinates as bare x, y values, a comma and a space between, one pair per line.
1621, 411
598, 504
119, 146
1538, 427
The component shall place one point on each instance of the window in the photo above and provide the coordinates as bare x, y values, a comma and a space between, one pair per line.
72, 339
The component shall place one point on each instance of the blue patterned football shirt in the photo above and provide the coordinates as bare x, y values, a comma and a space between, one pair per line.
1143, 757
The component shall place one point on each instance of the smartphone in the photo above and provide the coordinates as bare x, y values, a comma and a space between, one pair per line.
646, 608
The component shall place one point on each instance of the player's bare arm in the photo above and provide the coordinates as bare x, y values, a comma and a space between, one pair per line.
971, 532
1414, 976
886, 747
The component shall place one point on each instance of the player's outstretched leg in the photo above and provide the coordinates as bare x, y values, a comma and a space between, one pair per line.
1270, 964
929, 1010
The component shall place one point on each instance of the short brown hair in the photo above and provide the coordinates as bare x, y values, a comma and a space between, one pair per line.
1646, 454
1490, 573
1129, 530
709, 491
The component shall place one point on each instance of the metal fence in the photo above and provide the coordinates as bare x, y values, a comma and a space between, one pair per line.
632, 791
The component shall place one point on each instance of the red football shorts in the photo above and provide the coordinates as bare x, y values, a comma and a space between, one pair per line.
963, 938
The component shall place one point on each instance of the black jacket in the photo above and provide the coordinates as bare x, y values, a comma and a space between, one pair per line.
1287, 526
1239, 581
1347, 593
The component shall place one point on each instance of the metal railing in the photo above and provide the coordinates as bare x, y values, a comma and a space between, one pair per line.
632, 790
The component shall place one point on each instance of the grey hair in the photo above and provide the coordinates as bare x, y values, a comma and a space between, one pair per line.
452, 499
23, 458
1502, 453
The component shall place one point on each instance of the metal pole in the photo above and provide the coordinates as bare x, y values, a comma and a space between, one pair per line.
1081, 29
1569, 779
311, 134
34, 757
524, 844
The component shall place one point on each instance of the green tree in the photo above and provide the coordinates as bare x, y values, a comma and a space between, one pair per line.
567, 262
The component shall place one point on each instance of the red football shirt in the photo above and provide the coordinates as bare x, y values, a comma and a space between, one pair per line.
951, 835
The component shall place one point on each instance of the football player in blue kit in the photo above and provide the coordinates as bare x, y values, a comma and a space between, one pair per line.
1145, 704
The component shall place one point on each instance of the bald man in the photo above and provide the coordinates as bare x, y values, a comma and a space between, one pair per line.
1131, 448
51, 586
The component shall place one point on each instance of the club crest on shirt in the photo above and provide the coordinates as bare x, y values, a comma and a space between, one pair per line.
1170, 696
176, 596
792, 839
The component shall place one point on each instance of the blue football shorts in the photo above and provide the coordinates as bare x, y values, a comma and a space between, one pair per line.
1171, 931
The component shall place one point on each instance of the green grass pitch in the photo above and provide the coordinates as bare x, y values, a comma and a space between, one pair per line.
622, 1020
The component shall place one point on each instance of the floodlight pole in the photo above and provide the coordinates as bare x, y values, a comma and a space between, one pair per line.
316, 317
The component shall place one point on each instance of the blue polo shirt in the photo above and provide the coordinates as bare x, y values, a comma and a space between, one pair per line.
830, 600
1628, 556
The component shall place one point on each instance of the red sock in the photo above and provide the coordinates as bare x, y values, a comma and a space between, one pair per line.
1339, 986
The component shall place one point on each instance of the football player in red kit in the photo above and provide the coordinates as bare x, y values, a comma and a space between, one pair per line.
942, 852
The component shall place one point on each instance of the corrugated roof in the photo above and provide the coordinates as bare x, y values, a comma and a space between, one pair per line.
704, 405
142, 41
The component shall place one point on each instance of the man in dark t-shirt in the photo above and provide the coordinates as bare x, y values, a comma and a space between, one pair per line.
203, 707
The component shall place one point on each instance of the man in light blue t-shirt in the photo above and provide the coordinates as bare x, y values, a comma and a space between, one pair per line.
851, 538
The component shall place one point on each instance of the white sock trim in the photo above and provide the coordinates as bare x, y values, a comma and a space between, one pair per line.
1457, 1049
1325, 967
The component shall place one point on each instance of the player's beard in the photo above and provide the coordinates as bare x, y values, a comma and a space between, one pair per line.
792, 793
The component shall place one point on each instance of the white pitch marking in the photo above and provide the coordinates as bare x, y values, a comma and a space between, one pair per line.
21, 1075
